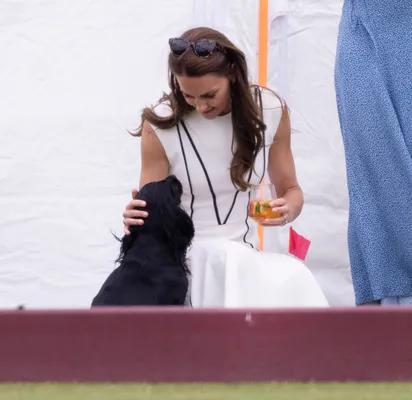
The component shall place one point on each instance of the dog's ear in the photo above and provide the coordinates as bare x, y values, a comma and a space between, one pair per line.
176, 189
177, 224
126, 242
184, 230
178, 228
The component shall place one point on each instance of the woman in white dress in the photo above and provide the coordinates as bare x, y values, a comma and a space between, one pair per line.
219, 134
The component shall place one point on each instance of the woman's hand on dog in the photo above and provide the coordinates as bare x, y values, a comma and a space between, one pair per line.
132, 216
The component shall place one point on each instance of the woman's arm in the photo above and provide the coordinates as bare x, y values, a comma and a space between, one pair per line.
281, 169
154, 167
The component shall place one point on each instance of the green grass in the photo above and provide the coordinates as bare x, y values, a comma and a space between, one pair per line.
389, 391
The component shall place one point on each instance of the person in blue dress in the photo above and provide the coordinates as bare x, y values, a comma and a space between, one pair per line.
373, 80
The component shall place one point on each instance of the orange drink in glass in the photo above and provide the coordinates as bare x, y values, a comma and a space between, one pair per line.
260, 197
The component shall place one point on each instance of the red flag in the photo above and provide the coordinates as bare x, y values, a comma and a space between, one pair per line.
298, 245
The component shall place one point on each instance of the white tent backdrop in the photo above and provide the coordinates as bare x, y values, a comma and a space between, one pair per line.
74, 75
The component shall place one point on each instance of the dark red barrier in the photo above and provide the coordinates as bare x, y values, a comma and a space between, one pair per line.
148, 345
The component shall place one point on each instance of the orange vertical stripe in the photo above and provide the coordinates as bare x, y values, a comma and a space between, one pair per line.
263, 64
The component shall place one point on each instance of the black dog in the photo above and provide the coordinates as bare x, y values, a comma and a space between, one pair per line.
153, 269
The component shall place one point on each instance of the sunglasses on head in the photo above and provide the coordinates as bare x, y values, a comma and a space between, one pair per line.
203, 48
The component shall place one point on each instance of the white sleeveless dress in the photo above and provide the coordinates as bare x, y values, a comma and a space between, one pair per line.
227, 269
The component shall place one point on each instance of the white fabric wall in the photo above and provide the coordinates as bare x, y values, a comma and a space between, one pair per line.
303, 36
74, 76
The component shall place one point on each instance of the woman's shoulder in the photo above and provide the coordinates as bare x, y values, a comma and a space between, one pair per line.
163, 108
270, 99
272, 106
160, 112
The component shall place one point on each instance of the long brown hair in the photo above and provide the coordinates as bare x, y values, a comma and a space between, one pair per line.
248, 125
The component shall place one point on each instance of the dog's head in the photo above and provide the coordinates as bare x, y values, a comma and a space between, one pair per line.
167, 220
162, 196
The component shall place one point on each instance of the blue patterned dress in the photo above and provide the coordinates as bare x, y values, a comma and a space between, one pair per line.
373, 79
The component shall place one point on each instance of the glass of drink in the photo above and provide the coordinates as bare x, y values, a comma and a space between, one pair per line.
260, 197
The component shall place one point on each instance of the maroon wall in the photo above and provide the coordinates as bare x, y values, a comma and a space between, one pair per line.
148, 345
